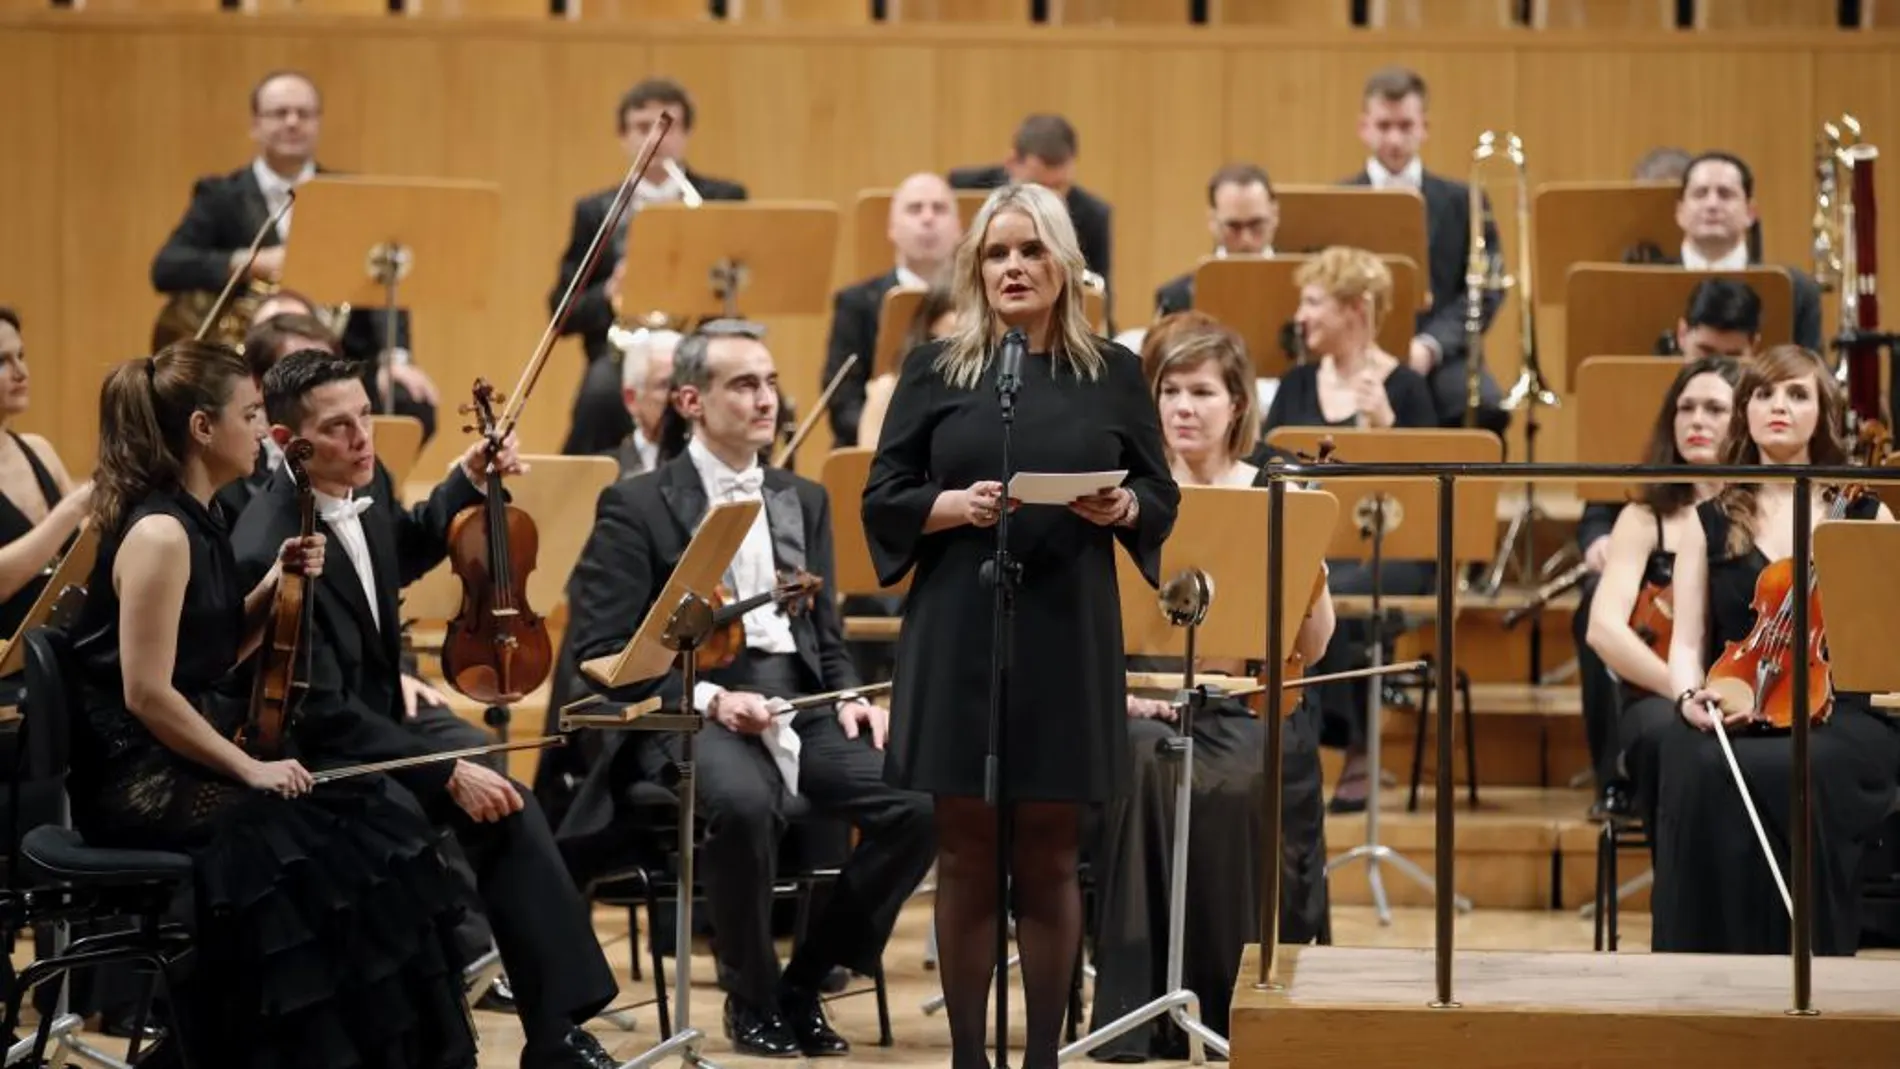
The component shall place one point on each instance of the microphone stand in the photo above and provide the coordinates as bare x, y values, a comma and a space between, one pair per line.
1003, 573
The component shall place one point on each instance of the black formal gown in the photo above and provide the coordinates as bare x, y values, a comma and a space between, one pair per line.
15, 525
1714, 893
1066, 711
324, 924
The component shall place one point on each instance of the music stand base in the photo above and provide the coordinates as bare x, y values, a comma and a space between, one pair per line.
685, 1043
1183, 1007
63, 1046
1373, 854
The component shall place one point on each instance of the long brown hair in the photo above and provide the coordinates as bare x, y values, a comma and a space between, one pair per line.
1778, 365
1186, 340
1666, 499
145, 410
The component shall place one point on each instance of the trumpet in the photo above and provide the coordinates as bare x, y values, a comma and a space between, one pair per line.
1484, 269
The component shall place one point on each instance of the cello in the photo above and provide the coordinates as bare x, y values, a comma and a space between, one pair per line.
280, 682
496, 648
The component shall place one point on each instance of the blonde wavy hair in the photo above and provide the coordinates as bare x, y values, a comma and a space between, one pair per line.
967, 348
1351, 277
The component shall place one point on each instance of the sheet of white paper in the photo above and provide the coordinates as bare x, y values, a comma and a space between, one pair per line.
1060, 488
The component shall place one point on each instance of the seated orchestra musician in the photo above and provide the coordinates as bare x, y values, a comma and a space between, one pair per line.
1353, 383
1664, 163
155, 765
1242, 215
1203, 383
1044, 151
1616, 663
1393, 126
213, 238
930, 501
415, 393
753, 763
923, 231
600, 422
1722, 320
1715, 207
40, 507
1714, 892
935, 318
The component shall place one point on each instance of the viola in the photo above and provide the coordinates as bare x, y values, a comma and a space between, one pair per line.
497, 648
794, 593
278, 687
1654, 617
1757, 672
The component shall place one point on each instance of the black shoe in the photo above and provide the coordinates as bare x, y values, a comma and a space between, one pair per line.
576, 1050
805, 1015
761, 1034
499, 998
1616, 803
122, 1025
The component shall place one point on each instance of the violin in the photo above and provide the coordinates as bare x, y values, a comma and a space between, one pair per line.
1654, 617
794, 593
278, 688
1757, 672
497, 648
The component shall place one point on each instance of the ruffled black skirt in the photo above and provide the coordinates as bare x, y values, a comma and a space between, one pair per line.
324, 924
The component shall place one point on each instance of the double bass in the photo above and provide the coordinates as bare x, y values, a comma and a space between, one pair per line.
283, 668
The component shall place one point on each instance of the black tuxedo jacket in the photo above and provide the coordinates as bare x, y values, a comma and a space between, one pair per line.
593, 313
356, 709
1807, 303
1088, 212
854, 318
641, 529
1175, 295
1448, 247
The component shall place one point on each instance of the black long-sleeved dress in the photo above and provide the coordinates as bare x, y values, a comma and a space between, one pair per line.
1066, 735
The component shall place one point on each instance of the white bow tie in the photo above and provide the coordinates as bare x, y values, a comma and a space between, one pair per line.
346, 510
742, 485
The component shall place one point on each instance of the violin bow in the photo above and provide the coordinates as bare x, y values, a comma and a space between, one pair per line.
511, 411
250, 257
811, 418
330, 775
1329, 677
1720, 731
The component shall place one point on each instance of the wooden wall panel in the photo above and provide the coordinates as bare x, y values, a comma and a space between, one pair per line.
125, 112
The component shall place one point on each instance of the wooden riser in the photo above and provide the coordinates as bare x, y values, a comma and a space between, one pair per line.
1513, 750
1558, 1009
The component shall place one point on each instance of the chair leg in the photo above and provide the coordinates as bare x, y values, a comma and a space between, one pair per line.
659, 964
1610, 902
1606, 842
1418, 739
1471, 739
883, 996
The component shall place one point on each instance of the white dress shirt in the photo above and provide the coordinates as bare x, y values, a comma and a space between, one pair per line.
277, 190
345, 517
1733, 260
910, 280
1411, 177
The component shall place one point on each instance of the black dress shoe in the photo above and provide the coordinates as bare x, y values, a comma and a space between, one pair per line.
759, 1033
805, 1015
499, 998
576, 1050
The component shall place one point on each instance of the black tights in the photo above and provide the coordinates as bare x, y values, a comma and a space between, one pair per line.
1048, 904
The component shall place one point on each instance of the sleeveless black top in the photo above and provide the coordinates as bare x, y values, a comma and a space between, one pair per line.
14, 525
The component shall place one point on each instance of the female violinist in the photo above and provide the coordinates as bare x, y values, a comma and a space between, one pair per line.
1203, 383
324, 917
1714, 892
40, 508
1637, 581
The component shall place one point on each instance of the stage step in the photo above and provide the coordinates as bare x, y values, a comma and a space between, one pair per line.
1559, 1009
1527, 736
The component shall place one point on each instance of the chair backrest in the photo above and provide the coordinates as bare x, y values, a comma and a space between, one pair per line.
1282, 14
1603, 14
49, 702
1442, 15
1120, 12
1767, 14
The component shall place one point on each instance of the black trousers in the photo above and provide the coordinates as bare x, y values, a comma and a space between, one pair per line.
1598, 689
529, 907
745, 810
1344, 703
599, 420
1451, 396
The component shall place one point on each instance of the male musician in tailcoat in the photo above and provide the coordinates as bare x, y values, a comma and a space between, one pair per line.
599, 421
541, 925
753, 764
214, 237
1393, 126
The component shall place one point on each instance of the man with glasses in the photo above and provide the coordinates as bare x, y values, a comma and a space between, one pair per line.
1242, 215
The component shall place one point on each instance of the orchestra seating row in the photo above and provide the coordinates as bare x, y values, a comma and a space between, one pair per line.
1280, 14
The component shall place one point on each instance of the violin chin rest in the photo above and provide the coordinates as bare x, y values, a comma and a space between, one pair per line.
1735, 695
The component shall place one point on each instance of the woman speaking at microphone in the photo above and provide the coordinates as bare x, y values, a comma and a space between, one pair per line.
932, 496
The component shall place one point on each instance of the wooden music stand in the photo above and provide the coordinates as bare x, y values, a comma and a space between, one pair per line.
1853, 567
893, 325
843, 475
1617, 308
870, 226
701, 262
72, 572
559, 492
1255, 297
706, 559
1597, 223
437, 234
1617, 400
1390, 222
398, 444
1222, 530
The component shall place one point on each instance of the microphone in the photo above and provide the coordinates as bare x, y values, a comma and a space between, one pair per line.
1009, 363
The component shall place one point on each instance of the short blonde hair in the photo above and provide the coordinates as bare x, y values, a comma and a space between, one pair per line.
1350, 276
967, 349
